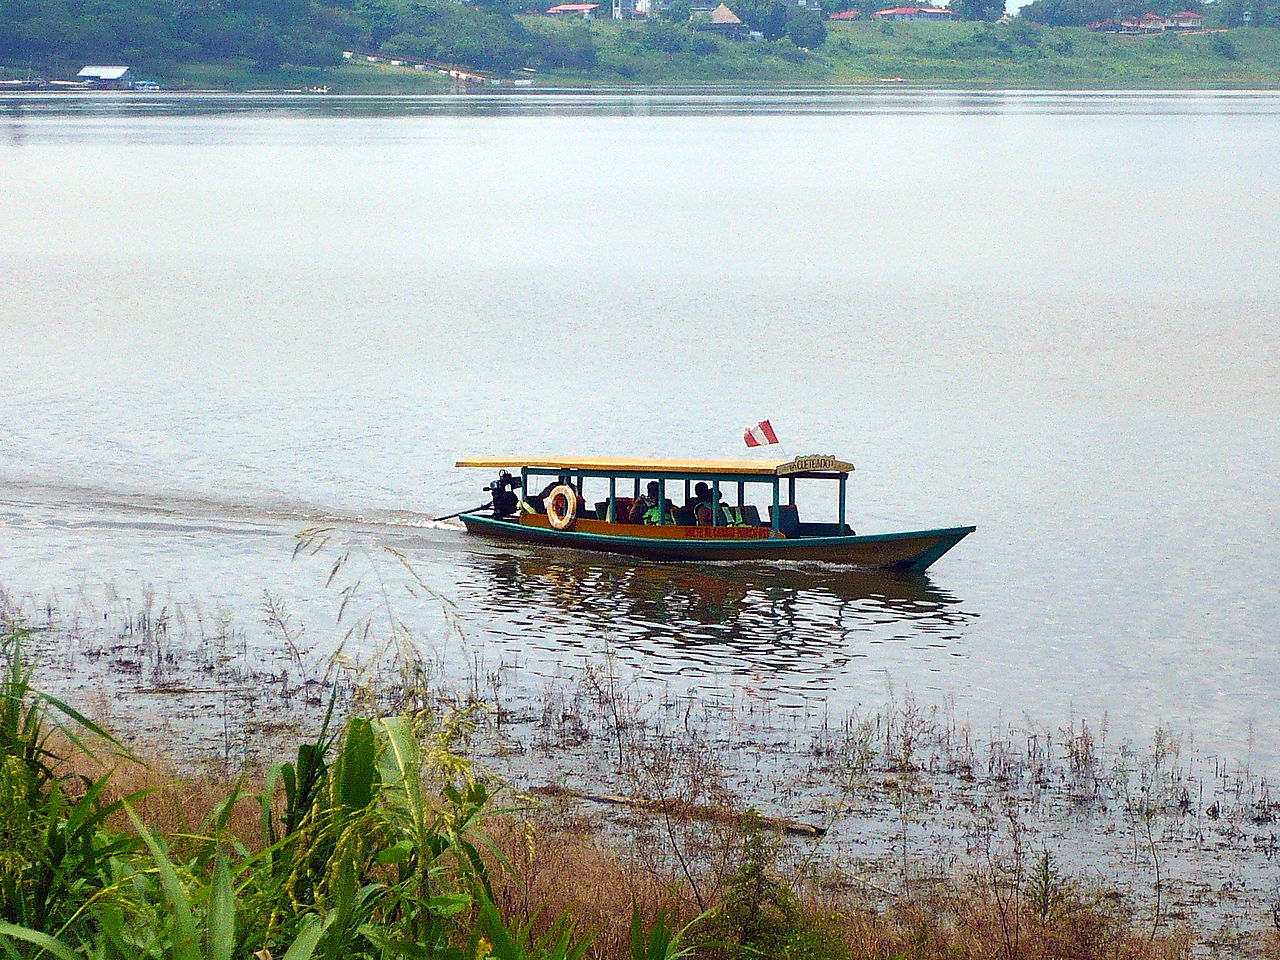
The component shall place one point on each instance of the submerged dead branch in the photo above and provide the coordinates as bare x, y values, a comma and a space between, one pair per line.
691, 811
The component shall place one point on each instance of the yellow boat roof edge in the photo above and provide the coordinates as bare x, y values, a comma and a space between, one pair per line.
815, 463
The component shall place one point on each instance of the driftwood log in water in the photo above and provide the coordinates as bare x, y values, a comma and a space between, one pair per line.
692, 811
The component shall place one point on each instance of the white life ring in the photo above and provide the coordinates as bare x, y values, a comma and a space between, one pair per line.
562, 520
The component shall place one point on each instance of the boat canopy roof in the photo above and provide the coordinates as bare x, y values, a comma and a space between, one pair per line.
619, 466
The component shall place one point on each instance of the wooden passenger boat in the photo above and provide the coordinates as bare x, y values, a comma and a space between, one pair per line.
723, 526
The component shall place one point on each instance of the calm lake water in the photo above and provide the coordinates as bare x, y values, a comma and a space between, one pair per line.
1053, 315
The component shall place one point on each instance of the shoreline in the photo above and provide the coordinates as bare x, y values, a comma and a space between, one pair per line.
855, 55
614, 85
896, 792
895, 810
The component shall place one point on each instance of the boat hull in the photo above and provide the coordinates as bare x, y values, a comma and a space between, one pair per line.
913, 551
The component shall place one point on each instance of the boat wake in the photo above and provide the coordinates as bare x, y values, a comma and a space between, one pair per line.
41, 503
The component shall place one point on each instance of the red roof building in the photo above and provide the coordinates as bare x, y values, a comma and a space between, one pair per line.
725, 22
845, 15
913, 13
1151, 23
1186, 20
581, 9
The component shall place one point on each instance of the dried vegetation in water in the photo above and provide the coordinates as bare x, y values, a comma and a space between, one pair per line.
914, 836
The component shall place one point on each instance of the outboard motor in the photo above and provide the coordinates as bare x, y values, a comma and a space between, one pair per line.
505, 502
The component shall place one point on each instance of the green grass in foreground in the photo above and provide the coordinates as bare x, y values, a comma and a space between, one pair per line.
368, 847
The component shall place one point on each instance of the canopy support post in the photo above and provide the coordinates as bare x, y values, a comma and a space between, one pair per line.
777, 506
843, 526
662, 501
791, 490
613, 499
715, 503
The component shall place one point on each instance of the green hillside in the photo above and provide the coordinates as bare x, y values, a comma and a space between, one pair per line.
980, 54
281, 44
1023, 54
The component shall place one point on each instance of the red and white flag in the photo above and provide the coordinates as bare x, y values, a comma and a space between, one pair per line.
759, 435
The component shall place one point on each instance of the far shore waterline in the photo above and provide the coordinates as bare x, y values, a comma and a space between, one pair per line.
886, 87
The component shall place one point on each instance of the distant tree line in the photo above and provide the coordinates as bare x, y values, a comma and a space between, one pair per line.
266, 30
484, 34
270, 32
989, 10
774, 19
1240, 13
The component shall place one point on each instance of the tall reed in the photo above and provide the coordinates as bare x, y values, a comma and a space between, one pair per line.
370, 846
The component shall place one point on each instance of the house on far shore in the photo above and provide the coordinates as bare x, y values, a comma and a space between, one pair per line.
1149, 23
913, 13
724, 22
845, 15
1114, 26
586, 11
106, 78
1186, 20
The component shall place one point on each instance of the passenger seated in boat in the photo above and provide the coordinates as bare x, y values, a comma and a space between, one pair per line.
668, 515
539, 500
701, 504
701, 494
729, 516
646, 510
641, 504
701, 497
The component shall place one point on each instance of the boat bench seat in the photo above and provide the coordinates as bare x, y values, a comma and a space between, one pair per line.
624, 509
788, 519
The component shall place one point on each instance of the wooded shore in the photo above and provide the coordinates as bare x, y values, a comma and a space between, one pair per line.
607, 53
